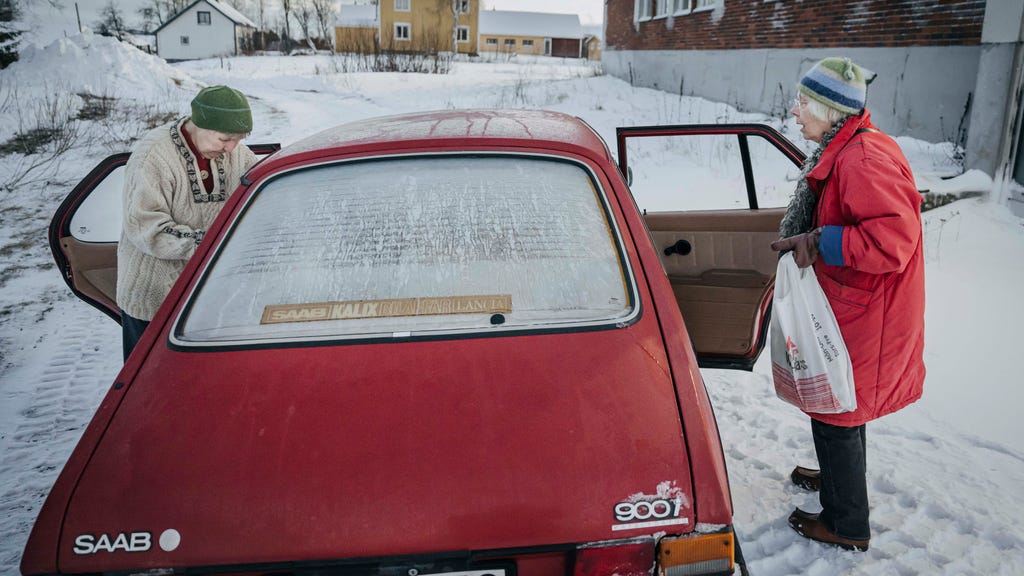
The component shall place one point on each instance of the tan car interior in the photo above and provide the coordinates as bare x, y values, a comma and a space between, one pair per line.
724, 280
94, 268
720, 285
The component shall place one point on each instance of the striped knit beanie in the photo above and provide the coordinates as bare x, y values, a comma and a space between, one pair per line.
837, 83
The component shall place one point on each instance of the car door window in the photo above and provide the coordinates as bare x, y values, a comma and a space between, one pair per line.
706, 172
416, 245
98, 217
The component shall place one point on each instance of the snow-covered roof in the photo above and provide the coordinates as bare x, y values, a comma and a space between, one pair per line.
232, 14
503, 22
357, 16
229, 12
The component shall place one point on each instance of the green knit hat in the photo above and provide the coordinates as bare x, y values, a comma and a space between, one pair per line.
837, 83
222, 109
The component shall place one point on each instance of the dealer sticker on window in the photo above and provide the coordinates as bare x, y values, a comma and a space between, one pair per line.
353, 309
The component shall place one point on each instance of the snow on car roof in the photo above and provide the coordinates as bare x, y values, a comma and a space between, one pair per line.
533, 128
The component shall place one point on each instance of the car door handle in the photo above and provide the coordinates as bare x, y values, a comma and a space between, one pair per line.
681, 247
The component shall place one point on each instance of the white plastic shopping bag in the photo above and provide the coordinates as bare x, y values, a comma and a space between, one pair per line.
810, 364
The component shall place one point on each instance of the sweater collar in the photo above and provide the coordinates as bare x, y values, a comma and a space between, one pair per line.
828, 158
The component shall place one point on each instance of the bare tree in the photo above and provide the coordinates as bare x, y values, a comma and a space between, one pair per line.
287, 6
304, 16
10, 32
260, 10
172, 7
148, 18
458, 7
153, 10
111, 21
324, 16
455, 26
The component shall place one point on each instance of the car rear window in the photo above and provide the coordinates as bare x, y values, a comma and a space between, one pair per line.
411, 246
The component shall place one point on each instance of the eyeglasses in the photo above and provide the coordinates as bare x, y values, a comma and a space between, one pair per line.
801, 104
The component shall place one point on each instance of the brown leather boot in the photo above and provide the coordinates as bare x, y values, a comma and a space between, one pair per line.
808, 525
806, 478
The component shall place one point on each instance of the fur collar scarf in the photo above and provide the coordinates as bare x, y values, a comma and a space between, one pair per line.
800, 212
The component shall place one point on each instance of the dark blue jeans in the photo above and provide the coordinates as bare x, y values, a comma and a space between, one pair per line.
131, 331
842, 457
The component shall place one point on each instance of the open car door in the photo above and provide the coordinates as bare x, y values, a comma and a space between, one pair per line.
85, 229
712, 197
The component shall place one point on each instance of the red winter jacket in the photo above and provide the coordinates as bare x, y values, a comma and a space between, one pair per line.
872, 266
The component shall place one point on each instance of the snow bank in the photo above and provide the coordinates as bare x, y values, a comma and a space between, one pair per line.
57, 80
96, 65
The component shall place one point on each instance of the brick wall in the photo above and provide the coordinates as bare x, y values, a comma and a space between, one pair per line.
747, 24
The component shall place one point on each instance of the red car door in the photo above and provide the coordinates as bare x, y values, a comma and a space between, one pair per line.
711, 211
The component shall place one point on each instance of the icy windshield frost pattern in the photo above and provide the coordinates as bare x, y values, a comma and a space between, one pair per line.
416, 228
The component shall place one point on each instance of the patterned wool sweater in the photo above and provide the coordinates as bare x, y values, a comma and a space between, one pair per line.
166, 214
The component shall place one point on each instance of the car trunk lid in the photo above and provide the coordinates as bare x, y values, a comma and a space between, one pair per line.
370, 450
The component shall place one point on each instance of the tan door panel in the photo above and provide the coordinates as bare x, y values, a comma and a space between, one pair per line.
723, 282
94, 268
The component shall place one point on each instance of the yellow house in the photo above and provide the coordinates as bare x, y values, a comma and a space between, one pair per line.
591, 47
409, 26
355, 29
534, 33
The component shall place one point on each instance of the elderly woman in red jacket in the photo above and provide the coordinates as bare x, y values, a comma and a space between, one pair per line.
856, 218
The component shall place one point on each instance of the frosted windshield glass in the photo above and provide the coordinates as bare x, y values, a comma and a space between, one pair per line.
410, 246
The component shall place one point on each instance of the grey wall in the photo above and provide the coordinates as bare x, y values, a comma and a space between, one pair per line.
986, 141
920, 91
995, 120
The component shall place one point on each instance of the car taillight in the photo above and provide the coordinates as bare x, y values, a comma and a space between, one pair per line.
615, 558
698, 554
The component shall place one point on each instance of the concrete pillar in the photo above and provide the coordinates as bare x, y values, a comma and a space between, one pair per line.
994, 128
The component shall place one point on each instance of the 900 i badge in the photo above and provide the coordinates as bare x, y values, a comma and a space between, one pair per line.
645, 511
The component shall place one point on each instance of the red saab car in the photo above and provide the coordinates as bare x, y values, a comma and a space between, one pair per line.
438, 344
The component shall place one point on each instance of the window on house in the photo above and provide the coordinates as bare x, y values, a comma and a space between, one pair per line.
492, 41
527, 42
401, 31
510, 41
403, 5
463, 6
698, 4
642, 9
661, 7
462, 34
681, 6
184, 40
203, 18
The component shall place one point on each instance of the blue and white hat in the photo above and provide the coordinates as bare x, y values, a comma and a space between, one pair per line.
837, 83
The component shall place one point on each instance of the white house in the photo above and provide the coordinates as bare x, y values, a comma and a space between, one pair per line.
205, 29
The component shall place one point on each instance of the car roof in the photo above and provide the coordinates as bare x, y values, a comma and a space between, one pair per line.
441, 130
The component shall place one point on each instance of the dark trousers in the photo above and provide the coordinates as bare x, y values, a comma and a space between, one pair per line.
842, 456
131, 331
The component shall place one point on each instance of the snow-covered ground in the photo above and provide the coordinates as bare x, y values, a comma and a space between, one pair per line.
946, 475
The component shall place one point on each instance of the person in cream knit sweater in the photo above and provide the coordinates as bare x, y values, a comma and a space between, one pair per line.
176, 181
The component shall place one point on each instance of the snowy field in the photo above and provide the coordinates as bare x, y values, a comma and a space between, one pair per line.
946, 476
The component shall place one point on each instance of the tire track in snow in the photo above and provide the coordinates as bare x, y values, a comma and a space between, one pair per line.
56, 390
